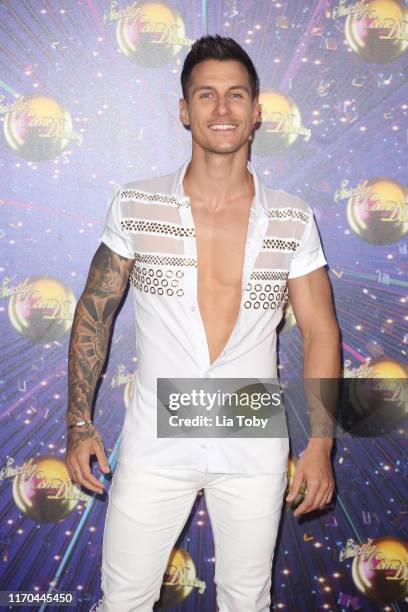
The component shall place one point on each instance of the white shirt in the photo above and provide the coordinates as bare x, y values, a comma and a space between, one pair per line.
151, 221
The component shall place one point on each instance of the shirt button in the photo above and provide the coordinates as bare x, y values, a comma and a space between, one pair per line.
203, 445
192, 308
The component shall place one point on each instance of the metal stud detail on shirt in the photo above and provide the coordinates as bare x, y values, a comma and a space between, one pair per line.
280, 244
139, 194
285, 213
157, 280
165, 260
261, 294
269, 275
156, 227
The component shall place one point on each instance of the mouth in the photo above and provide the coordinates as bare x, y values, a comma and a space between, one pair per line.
223, 127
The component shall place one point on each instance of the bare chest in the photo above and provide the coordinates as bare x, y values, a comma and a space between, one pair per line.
220, 240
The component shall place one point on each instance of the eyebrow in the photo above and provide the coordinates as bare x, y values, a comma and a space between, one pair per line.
201, 87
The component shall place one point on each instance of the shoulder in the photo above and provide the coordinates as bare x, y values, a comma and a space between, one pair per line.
291, 210
158, 185
280, 203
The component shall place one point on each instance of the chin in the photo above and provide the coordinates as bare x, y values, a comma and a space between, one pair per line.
222, 150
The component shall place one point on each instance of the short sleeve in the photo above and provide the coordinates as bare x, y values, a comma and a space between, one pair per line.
113, 234
309, 255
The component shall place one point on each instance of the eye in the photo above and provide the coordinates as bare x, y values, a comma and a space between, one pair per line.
205, 95
238, 95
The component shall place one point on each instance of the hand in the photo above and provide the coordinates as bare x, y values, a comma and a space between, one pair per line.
82, 443
313, 468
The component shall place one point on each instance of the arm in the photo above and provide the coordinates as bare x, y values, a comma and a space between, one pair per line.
312, 304
91, 329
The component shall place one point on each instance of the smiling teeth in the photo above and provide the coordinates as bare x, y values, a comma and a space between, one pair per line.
222, 127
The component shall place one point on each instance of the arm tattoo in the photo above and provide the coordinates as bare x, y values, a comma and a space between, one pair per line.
90, 333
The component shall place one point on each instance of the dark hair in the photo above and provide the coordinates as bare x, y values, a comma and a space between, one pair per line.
219, 48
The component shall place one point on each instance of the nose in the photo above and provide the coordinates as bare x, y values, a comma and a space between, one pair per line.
222, 105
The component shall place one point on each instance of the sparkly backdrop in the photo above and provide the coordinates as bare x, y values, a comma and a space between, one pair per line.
89, 95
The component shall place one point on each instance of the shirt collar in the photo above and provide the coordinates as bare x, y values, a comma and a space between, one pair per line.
183, 200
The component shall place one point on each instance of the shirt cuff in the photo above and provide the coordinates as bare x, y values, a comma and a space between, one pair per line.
116, 243
307, 263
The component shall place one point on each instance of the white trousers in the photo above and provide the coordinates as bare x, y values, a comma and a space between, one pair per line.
146, 513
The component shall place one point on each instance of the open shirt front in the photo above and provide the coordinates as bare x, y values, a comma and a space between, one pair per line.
150, 221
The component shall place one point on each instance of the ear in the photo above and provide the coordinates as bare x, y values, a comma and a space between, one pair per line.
257, 112
184, 116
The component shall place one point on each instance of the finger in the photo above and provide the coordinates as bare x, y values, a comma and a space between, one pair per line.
328, 498
76, 472
319, 499
102, 459
324, 495
92, 480
294, 487
89, 479
69, 465
80, 478
308, 502
70, 471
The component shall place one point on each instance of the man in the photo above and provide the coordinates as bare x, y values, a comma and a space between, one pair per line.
212, 254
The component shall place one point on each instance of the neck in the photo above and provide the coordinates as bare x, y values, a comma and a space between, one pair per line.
218, 179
